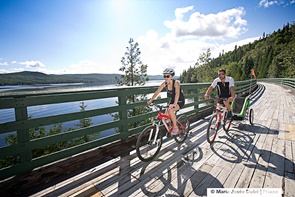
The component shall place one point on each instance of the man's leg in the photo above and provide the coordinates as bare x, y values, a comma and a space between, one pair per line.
227, 105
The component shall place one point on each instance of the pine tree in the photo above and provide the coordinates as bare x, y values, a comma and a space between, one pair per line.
135, 74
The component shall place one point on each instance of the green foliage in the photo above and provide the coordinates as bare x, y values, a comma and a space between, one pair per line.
135, 74
31, 78
40, 132
270, 56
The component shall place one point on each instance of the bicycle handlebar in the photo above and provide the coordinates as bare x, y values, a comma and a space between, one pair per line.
159, 106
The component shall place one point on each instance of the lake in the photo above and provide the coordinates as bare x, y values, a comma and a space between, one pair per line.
7, 115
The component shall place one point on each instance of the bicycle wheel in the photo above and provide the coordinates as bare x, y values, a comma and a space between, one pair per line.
184, 127
226, 124
212, 129
148, 143
251, 116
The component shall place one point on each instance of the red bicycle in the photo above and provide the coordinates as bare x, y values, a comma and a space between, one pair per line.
216, 120
149, 141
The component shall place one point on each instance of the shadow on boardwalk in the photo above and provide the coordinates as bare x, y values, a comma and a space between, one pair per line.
242, 149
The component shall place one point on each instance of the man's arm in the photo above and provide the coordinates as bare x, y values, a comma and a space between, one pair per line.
209, 90
232, 93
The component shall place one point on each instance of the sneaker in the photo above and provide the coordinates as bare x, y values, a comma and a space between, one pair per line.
175, 131
168, 134
229, 115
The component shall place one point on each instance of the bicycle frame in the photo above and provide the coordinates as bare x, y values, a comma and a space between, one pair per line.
221, 112
163, 116
149, 141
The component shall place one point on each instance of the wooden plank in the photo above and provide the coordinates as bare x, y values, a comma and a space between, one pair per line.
289, 182
275, 171
289, 163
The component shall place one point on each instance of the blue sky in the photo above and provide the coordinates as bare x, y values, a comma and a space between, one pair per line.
91, 36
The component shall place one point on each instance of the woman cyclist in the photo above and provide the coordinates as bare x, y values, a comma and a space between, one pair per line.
176, 96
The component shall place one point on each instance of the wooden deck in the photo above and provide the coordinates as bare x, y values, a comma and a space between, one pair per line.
258, 156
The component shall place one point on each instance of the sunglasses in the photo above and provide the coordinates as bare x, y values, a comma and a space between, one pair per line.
221, 75
166, 76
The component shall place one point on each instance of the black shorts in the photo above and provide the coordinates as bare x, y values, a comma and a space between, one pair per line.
220, 100
180, 103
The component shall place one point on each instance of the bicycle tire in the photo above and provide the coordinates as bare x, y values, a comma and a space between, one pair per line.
227, 124
212, 129
251, 116
183, 120
146, 149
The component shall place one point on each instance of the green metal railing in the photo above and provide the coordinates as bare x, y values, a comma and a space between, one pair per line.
290, 82
20, 102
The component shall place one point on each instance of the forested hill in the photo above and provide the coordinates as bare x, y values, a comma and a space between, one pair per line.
30, 78
272, 56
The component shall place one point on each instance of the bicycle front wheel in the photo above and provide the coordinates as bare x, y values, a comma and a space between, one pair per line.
212, 129
184, 127
226, 124
149, 143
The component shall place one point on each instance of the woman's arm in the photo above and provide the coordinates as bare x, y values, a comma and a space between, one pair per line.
160, 88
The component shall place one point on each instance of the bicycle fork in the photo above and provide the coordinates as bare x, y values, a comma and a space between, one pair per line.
156, 132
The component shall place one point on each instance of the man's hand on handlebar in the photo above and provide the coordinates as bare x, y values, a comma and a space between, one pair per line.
206, 96
230, 99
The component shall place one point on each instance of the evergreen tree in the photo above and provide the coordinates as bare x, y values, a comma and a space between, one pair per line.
135, 74
271, 56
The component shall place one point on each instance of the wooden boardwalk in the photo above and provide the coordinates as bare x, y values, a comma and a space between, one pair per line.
258, 156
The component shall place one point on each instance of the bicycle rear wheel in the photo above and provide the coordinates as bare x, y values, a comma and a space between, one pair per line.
184, 127
149, 143
212, 129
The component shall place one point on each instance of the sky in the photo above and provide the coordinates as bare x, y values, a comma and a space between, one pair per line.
91, 36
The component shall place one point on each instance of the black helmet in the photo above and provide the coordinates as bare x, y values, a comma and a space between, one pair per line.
169, 71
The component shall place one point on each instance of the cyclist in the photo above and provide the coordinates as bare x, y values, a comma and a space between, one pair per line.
225, 89
176, 96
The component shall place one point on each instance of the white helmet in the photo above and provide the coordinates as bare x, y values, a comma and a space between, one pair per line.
169, 71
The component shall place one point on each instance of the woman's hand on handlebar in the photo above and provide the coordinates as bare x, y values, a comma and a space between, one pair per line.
149, 102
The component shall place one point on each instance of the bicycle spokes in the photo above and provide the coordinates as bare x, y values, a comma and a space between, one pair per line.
184, 126
212, 128
149, 143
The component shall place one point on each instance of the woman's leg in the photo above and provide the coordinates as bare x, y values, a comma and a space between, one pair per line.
171, 112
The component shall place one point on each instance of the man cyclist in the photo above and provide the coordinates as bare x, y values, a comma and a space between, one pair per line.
176, 96
225, 89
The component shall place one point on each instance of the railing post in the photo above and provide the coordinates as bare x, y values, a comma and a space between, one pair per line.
123, 114
23, 135
196, 100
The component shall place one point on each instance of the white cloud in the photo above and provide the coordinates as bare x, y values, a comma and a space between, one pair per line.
182, 47
179, 12
267, 3
3, 64
89, 66
32, 64
162, 52
4, 71
227, 24
14, 62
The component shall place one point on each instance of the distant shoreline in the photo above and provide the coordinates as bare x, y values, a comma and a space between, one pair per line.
38, 78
